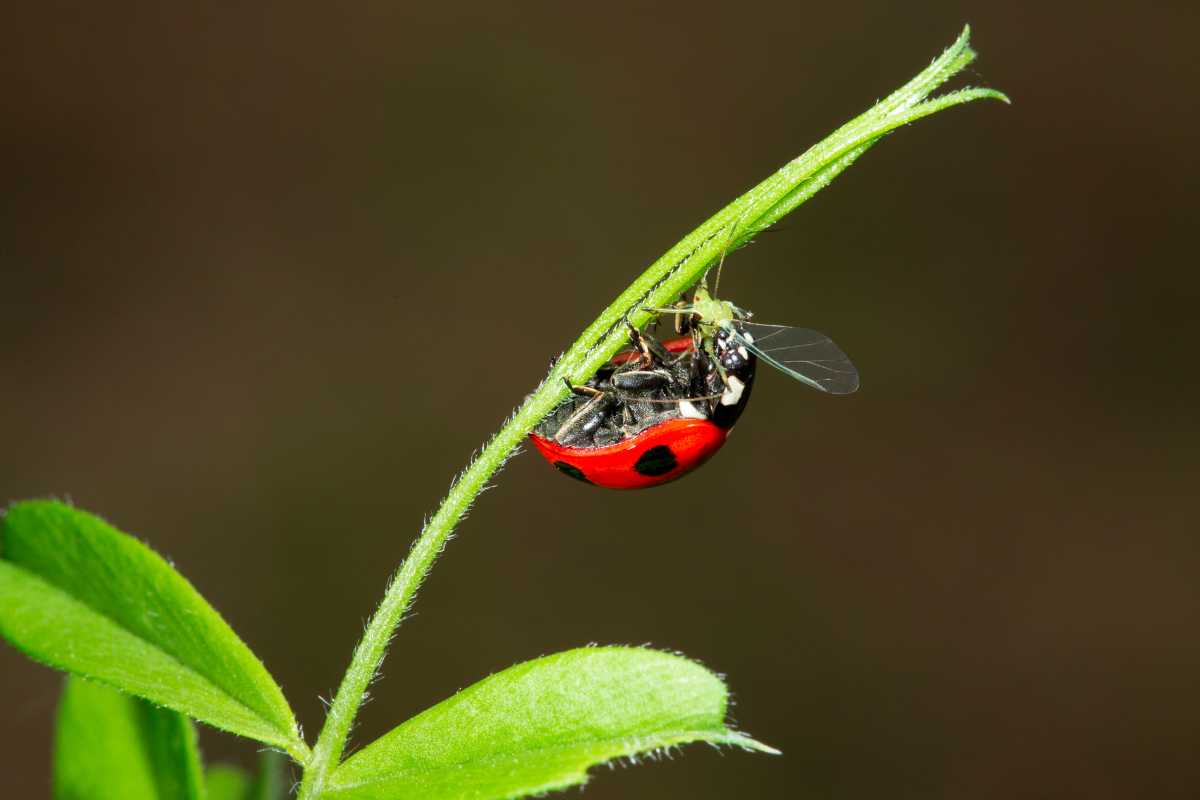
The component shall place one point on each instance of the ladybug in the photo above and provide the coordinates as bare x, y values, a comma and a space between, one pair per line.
651, 415
657, 412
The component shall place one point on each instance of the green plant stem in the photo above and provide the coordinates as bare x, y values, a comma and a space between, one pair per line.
659, 285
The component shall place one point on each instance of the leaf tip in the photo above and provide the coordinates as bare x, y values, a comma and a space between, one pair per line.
962, 45
979, 93
752, 745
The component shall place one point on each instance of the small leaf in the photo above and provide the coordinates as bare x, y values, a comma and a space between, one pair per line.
81, 596
233, 783
538, 726
227, 783
110, 745
269, 782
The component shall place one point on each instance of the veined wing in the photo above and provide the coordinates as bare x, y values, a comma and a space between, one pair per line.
808, 356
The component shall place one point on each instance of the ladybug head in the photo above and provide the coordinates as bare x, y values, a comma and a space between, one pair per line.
732, 354
738, 366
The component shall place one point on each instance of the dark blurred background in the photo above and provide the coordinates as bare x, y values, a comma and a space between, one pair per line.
270, 274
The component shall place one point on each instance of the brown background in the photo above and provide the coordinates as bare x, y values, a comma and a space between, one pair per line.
270, 274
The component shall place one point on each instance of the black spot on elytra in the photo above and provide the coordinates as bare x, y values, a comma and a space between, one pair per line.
657, 460
571, 470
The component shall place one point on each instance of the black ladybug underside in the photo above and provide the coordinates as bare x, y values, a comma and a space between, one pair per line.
640, 388
654, 383
628, 413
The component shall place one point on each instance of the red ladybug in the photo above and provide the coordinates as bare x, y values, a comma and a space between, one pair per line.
657, 412
651, 415
659, 454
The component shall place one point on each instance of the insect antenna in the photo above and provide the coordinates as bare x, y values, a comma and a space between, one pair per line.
669, 399
724, 252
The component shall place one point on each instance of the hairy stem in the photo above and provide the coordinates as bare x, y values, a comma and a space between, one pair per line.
660, 284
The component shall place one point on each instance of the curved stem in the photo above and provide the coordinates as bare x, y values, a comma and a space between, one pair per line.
368, 656
661, 283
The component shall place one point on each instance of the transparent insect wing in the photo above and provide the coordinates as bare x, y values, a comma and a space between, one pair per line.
806, 355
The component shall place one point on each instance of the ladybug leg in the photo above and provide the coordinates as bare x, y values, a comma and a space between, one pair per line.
704, 379
628, 420
683, 319
698, 369
640, 380
652, 352
582, 389
640, 342
658, 353
590, 416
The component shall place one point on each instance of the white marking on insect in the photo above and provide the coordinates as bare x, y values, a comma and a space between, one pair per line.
733, 392
689, 411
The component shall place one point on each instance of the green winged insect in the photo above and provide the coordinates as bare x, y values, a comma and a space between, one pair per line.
724, 332
806, 355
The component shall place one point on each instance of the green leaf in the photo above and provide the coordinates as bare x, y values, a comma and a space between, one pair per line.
228, 783
538, 726
269, 783
79, 595
110, 745
233, 783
